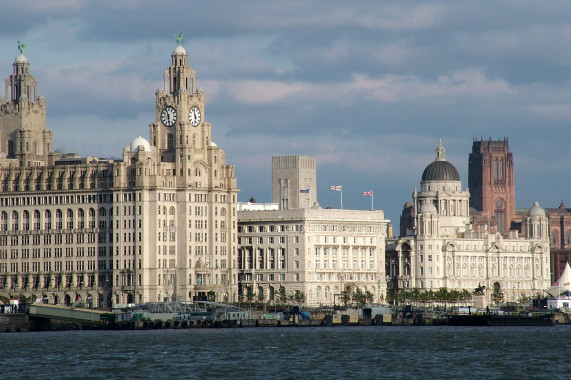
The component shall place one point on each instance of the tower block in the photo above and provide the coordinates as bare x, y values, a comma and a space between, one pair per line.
491, 182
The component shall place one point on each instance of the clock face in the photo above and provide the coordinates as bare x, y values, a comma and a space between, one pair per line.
168, 116
194, 116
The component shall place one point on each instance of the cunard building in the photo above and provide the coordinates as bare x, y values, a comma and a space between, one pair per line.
299, 250
159, 224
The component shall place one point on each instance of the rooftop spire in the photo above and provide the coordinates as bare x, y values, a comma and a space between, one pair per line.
440, 152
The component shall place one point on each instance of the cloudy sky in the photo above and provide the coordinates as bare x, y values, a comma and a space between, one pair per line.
368, 87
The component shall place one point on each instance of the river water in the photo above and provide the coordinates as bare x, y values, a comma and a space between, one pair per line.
376, 352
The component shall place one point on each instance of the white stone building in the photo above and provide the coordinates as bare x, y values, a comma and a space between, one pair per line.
298, 247
317, 252
443, 250
158, 224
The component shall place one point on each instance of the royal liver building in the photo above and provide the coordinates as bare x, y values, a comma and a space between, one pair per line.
159, 224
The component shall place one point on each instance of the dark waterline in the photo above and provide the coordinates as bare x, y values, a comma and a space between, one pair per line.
291, 353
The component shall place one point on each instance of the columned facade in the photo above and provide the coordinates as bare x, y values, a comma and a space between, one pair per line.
443, 249
316, 255
158, 224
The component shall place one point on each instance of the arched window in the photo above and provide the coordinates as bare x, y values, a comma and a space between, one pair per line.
26, 221
4, 221
69, 219
37, 217
172, 211
554, 237
48, 220
91, 220
567, 237
102, 212
15, 221
222, 211
80, 218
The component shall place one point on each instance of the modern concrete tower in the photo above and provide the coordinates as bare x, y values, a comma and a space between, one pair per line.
294, 181
491, 181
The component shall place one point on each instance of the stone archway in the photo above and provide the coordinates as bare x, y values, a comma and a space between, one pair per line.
497, 295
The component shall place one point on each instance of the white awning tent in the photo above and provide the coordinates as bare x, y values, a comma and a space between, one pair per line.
563, 284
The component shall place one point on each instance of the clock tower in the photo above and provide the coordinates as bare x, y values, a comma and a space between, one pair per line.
180, 132
24, 138
194, 184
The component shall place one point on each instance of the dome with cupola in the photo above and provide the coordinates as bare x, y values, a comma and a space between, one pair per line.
536, 210
440, 169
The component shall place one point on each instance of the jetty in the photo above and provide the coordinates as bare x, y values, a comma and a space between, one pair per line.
202, 314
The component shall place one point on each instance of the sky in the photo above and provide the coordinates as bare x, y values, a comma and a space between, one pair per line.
368, 87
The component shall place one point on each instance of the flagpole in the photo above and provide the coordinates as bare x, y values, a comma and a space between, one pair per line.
341, 197
372, 197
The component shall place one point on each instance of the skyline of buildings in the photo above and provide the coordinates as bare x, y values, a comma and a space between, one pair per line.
163, 223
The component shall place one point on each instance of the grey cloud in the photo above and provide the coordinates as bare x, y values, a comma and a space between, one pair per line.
367, 86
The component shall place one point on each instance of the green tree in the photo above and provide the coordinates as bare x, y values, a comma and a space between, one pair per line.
299, 297
345, 297
250, 295
282, 296
523, 299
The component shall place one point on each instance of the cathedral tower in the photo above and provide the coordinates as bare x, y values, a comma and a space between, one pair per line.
491, 182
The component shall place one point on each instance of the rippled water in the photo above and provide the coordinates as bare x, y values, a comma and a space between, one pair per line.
291, 353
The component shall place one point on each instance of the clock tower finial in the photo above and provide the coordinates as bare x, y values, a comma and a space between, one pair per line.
21, 47
178, 38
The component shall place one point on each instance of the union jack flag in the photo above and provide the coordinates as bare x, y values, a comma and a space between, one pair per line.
368, 193
336, 188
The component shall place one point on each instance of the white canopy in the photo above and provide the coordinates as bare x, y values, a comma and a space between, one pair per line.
563, 284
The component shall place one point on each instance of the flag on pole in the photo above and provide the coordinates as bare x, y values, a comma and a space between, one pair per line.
368, 193
340, 190
304, 191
